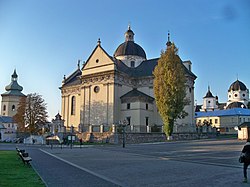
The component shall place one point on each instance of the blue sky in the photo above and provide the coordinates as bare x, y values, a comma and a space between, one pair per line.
44, 39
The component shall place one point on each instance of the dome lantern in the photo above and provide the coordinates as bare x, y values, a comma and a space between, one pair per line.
129, 35
129, 47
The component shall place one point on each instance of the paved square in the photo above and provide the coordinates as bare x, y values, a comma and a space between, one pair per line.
183, 163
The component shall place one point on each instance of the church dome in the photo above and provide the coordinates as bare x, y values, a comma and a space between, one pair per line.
237, 85
129, 47
236, 105
14, 86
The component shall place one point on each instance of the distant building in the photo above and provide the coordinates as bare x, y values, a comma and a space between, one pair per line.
224, 116
7, 128
109, 89
12, 96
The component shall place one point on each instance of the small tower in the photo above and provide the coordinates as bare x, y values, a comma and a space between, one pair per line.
209, 102
129, 35
11, 98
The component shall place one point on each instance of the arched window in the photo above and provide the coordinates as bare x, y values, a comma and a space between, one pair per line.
73, 105
13, 107
4, 107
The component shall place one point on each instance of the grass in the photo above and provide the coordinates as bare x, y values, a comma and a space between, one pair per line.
14, 173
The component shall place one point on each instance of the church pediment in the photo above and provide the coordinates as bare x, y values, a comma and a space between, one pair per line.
99, 61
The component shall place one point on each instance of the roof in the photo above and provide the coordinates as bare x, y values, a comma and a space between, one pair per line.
209, 95
236, 105
73, 79
6, 119
220, 113
130, 48
13, 93
237, 85
145, 69
135, 95
13, 88
245, 124
197, 108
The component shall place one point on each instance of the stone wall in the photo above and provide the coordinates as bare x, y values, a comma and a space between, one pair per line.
134, 138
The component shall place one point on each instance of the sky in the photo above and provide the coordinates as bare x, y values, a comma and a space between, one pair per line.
43, 40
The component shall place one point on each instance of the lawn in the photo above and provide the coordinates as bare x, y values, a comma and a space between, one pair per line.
14, 173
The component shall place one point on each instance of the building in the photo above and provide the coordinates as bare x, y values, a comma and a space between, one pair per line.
8, 129
109, 89
11, 98
225, 116
244, 131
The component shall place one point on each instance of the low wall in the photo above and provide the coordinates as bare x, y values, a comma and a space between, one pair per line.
134, 138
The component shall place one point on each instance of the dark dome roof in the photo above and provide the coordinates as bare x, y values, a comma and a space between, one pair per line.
209, 94
237, 85
236, 105
14, 86
130, 48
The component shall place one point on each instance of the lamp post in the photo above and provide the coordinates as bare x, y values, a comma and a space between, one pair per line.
71, 135
123, 123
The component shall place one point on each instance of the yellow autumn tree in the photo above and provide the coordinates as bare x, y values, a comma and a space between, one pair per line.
169, 88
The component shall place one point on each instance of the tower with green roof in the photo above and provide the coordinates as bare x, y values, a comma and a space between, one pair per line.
12, 97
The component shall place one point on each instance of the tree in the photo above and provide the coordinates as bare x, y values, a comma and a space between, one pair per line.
169, 88
32, 113
19, 117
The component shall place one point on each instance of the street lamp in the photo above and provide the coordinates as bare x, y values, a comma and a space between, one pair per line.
71, 135
123, 123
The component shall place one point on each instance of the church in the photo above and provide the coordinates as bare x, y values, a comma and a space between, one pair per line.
224, 117
110, 90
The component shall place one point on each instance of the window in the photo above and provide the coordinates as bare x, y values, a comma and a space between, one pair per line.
13, 107
128, 106
132, 64
96, 89
216, 121
243, 95
4, 107
146, 121
73, 105
209, 101
210, 121
97, 60
146, 106
128, 119
235, 95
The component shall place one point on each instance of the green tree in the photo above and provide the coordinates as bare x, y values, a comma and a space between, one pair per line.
32, 113
169, 88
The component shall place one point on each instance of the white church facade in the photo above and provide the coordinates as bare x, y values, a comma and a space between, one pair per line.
110, 89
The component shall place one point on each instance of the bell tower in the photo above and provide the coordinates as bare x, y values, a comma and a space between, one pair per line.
11, 98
